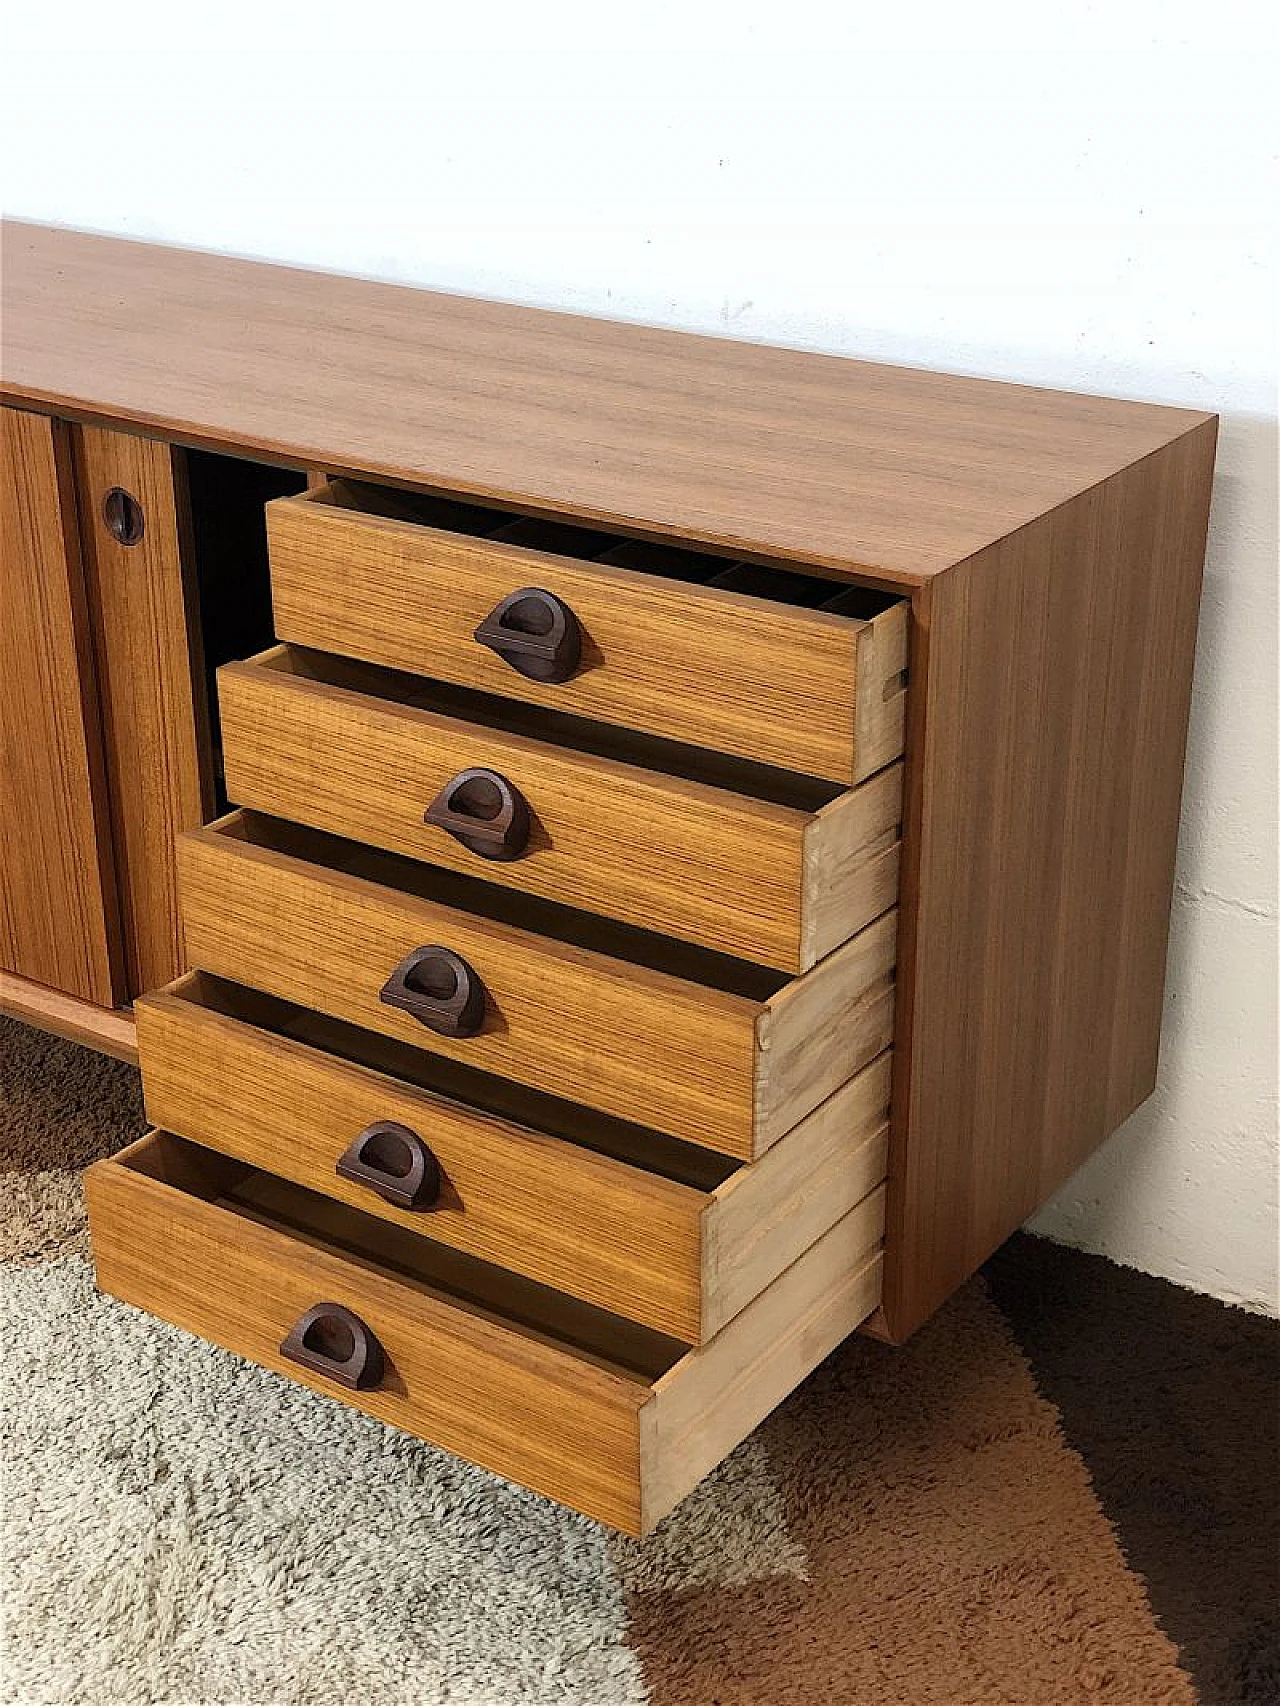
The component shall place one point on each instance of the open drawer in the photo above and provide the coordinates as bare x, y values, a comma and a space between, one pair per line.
667, 1234
610, 1418
657, 1032
770, 866
773, 665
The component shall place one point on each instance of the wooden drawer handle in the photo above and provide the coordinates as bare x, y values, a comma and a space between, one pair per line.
332, 1341
439, 988
393, 1161
485, 812
536, 633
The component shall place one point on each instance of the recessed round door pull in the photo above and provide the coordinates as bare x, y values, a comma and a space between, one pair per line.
123, 515
483, 811
393, 1161
332, 1340
439, 988
536, 633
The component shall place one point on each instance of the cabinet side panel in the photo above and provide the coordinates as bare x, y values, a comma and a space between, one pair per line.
58, 919
1044, 791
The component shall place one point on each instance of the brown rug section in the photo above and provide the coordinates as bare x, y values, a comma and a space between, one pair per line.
957, 1554
62, 1107
1173, 1401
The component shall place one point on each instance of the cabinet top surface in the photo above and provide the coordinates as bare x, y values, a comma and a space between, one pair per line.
886, 472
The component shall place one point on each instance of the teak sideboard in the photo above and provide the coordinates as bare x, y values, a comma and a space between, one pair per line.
625, 856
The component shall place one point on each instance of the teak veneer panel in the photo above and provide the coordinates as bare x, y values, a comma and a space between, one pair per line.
676, 1258
774, 453
176, 1232
59, 921
153, 708
725, 1065
109, 1030
737, 873
582, 1222
1050, 697
803, 689
530, 1410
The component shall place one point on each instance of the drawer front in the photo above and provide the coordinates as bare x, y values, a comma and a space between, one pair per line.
526, 1408
617, 1422
775, 883
677, 1257
604, 1231
732, 1067
804, 689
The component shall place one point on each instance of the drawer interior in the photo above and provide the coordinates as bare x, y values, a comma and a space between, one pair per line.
506, 906
592, 545
226, 499
513, 716
506, 1299
667, 1157
617, 1420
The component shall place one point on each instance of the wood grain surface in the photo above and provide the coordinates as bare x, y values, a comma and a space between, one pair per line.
1050, 697
460, 1377
638, 1043
852, 853
729, 870
507, 1375
764, 1215
880, 695
678, 1259
776, 453
821, 1028
718, 1394
583, 1222
108, 1030
642, 1041
59, 920
804, 689
146, 630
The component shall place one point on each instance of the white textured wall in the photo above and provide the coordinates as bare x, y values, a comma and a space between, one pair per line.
1096, 219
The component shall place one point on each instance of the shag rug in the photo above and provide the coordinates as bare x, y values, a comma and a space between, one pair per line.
1058, 1492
